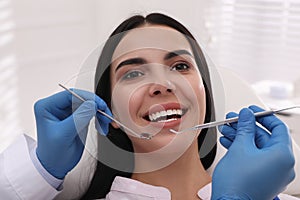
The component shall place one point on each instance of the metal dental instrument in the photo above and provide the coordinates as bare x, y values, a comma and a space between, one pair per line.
142, 135
231, 120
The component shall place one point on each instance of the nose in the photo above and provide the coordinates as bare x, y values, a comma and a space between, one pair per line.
161, 88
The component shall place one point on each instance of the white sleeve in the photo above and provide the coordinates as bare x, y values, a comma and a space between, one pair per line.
287, 197
19, 179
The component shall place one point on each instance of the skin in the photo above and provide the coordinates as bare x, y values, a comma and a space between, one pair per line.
157, 81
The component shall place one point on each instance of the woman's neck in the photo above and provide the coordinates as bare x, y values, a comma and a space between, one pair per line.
183, 177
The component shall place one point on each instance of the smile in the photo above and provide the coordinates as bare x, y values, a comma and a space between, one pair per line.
166, 115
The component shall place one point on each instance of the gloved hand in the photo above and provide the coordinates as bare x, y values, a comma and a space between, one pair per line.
257, 165
229, 131
62, 122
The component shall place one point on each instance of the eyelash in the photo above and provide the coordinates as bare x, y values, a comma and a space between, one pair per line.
187, 67
131, 74
136, 73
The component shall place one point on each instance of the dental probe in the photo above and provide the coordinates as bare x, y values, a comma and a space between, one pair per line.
142, 135
231, 120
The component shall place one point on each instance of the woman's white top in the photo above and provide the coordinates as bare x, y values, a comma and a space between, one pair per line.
19, 179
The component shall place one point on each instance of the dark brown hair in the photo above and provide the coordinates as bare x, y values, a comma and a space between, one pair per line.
104, 175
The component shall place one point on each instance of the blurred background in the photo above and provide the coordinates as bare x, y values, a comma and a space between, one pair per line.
43, 43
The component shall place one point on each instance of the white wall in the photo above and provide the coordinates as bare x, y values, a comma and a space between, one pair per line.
42, 43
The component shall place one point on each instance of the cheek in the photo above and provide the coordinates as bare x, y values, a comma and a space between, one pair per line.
200, 101
119, 102
201, 96
136, 100
126, 101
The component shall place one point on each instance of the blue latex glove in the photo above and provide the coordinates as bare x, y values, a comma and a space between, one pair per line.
229, 131
257, 165
62, 122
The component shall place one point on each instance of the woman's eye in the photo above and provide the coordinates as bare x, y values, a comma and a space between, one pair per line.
132, 74
180, 67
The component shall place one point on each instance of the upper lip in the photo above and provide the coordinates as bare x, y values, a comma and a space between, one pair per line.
164, 107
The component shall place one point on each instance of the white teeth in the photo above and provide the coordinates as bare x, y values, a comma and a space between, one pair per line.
163, 114
150, 117
179, 112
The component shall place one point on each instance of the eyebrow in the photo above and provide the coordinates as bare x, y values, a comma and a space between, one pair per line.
139, 61
131, 61
177, 53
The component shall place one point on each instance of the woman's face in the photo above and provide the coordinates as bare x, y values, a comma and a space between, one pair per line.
156, 86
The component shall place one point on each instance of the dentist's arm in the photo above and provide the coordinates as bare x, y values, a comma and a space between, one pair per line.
257, 165
30, 172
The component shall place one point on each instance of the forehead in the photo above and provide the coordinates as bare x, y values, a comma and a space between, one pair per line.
151, 37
